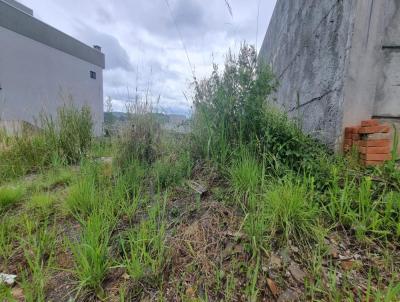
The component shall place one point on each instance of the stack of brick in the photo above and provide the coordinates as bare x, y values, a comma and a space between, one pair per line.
371, 140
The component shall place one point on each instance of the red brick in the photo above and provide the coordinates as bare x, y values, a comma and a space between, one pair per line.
372, 162
374, 150
351, 130
355, 137
380, 157
348, 130
375, 143
348, 142
374, 129
348, 135
369, 123
388, 135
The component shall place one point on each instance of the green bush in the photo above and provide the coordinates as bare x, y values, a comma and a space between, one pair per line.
234, 108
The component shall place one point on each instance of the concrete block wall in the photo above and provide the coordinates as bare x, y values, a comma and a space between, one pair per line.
337, 62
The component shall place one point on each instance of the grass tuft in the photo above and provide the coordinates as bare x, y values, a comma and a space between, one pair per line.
9, 196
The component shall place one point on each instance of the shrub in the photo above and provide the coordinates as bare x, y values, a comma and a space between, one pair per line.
234, 108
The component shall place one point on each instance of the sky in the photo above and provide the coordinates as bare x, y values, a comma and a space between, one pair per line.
156, 46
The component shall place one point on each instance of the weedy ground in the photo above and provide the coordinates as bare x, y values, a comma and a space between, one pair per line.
245, 207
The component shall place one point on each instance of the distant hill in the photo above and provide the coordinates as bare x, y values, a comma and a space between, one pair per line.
168, 120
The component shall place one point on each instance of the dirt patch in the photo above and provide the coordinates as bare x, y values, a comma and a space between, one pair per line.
205, 242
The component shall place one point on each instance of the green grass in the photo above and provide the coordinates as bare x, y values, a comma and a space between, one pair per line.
9, 196
91, 258
285, 212
66, 141
41, 203
38, 248
82, 198
143, 247
245, 174
270, 189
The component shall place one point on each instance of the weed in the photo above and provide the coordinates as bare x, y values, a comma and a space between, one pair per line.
5, 293
143, 248
172, 169
140, 139
65, 141
38, 251
245, 174
91, 253
9, 196
7, 237
41, 203
285, 212
82, 198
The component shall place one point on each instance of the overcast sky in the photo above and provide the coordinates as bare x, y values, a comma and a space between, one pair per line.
143, 40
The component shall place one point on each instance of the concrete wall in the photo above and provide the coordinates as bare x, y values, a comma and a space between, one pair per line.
387, 102
36, 77
42, 68
329, 60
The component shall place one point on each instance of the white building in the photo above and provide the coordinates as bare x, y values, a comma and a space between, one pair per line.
42, 68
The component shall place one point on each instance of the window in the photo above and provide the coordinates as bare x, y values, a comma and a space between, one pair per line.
92, 75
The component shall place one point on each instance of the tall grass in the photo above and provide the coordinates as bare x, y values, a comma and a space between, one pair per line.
64, 138
90, 254
9, 195
234, 108
143, 247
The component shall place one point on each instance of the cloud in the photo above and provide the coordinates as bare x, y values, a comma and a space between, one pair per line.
116, 55
145, 41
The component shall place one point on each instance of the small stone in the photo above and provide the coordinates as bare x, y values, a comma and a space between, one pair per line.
190, 292
7, 279
296, 272
348, 265
333, 251
272, 287
275, 261
18, 294
284, 254
288, 295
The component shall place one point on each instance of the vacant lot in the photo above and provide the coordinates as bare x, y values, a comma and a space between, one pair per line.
245, 207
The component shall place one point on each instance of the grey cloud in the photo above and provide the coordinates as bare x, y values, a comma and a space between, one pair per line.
116, 55
142, 44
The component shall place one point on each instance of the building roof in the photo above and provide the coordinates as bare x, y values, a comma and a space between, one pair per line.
19, 19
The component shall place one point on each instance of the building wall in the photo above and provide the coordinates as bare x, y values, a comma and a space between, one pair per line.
387, 102
328, 57
36, 77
